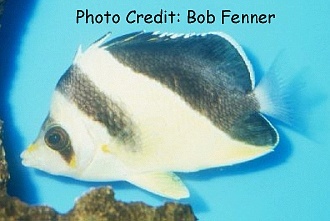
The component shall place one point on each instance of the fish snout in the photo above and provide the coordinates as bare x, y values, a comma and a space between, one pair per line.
26, 155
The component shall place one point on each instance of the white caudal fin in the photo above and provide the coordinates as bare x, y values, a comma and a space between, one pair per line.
278, 92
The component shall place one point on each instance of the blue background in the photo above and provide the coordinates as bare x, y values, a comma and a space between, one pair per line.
39, 40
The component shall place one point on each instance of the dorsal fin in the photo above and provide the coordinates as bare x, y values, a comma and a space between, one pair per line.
256, 130
214, 57
208, 71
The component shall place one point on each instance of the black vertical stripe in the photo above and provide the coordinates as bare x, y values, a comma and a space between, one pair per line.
78, 88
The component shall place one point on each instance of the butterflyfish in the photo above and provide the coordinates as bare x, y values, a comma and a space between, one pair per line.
142, 106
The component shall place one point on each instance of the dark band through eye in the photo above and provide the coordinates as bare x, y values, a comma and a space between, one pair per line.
57, 138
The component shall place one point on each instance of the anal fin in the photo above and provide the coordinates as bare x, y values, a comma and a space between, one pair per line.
164, 184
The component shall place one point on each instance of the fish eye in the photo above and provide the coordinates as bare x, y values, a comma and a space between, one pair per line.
57, 138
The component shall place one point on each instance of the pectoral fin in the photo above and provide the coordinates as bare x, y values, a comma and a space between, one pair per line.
164, 184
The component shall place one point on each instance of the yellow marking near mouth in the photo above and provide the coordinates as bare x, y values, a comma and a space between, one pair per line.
32, 148
105, 148
73, 162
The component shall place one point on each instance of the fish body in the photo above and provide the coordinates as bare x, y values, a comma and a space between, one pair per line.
145, 105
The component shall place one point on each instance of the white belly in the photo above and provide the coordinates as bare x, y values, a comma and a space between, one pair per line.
173, 136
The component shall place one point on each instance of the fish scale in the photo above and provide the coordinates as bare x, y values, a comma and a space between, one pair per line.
145, 105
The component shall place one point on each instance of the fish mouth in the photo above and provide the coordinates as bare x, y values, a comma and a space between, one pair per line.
26, 155
25, 158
